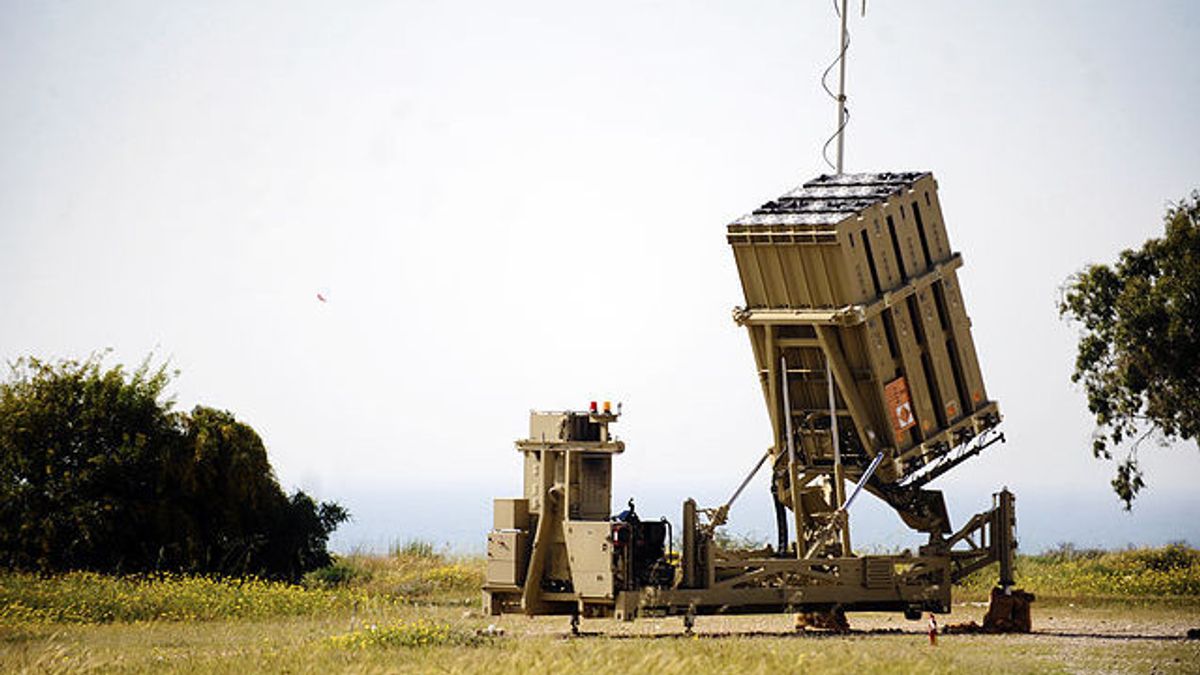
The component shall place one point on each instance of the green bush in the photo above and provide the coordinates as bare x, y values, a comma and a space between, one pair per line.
1172, 557
340, 573
97, 472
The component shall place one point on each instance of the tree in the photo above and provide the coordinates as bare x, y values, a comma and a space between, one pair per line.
230, 500
1139, 352
77, 449
98, 472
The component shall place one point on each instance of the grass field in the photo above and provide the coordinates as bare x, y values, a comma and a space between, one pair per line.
416, 611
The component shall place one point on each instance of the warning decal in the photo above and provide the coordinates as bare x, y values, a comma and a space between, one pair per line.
899, 405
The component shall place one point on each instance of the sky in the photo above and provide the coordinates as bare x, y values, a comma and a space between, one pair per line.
522, 205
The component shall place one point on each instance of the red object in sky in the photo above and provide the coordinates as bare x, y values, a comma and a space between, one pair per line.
321, 297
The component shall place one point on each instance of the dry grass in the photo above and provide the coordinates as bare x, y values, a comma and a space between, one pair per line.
85, 597
417, 612
1168, 574
416, 576
723, 644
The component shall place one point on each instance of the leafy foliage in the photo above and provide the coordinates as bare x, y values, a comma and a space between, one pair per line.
336, 575
1139, 355
97, 472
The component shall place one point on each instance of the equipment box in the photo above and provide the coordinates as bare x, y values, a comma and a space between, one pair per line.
506, 556
510, 514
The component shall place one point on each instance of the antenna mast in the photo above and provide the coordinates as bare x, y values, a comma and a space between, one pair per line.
844, 39
843, 113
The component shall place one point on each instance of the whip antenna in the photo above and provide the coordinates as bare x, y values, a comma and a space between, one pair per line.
843, 113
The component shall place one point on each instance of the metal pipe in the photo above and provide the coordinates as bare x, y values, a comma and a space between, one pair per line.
746, 482
718, 516
670, 538
781, 526
841, 99
863, 481
982, 444
793, 479
839, 487
1003, 523
690, 554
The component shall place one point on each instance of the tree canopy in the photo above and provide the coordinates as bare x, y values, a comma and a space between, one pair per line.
1139, 352
97, 471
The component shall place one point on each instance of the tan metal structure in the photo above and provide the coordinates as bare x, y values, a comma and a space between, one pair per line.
559, 534
864, 353
854, 274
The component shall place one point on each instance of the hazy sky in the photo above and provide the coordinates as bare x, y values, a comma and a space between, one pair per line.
522, 205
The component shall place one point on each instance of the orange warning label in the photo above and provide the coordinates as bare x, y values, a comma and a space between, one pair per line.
899, 405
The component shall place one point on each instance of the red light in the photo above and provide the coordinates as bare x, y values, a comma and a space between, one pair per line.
592, 407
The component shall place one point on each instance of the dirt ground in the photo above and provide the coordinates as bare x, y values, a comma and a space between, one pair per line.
1065, 621
1117, 638
1104, 639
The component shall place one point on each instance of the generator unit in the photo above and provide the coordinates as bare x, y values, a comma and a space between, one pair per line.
863, 349
556, 549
